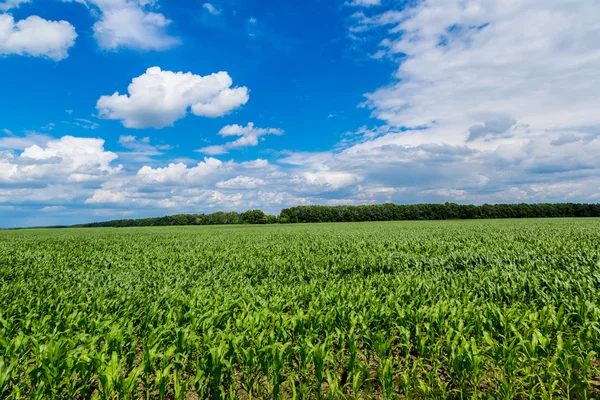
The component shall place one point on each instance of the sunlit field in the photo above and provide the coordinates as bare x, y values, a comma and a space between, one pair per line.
450, 309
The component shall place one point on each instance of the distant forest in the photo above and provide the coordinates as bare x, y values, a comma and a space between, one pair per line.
375, 212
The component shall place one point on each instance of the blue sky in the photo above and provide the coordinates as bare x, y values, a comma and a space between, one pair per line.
132, 108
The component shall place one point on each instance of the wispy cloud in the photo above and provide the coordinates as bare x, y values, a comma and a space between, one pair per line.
211, 9
130, 24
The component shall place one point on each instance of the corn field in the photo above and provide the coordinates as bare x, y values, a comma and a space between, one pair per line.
387, 310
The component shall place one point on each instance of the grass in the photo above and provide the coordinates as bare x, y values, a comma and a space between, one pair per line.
450, 309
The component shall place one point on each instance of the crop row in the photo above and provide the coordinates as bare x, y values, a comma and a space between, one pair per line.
508, 309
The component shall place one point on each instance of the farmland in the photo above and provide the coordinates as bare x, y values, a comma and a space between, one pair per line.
447, 309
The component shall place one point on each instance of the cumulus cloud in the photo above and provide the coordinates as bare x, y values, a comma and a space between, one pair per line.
132, 24
462, 60
255, 164
36, 37
179, 173
378, 169
177, 187
68, 159
466, 72
158, 98
249, 136
389, 165
241, 182
103, 196
210, 183
447, 128
325, 181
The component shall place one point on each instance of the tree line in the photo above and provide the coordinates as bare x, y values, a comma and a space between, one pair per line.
374, 212
217, 218
425, 212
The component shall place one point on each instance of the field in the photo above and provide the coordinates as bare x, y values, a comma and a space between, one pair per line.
451, 309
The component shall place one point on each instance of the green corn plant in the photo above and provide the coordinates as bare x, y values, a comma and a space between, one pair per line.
278, 357
249, 367
108, 376
319, 354
357, 383
478, 309
386, 377
334, 389
162, 379
150, 358
5, 374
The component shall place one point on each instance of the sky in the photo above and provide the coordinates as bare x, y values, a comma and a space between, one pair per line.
115, 109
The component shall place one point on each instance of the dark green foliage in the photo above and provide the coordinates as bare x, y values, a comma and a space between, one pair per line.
429, 212
375, 212
255, 217
218, 218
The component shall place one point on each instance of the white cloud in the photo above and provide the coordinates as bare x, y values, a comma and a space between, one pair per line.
363, 3
6, 5
36, 37
179, 173
123, 139
497, 99
209, 184
132, 24
248, 130
68, 159
427, 172
103, 196
465, 63
491, 102
22, 142
249, 136
255, 164
211, 9
369, 171
325, 181
159, 98
7, 131
185, 199
241, 182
